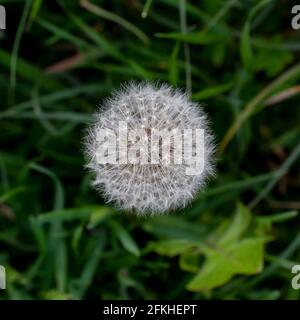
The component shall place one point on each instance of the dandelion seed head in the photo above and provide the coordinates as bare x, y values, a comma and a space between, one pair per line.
148, 188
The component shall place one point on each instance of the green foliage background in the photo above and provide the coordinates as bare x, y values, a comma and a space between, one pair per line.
237, 240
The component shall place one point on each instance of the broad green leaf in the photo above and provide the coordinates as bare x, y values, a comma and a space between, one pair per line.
245, 257
239, 225
190, 261
172, 248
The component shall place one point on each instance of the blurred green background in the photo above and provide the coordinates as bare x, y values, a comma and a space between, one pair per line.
238, 239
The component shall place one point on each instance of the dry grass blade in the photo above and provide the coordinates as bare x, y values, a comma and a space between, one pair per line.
253, 105
283, 95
